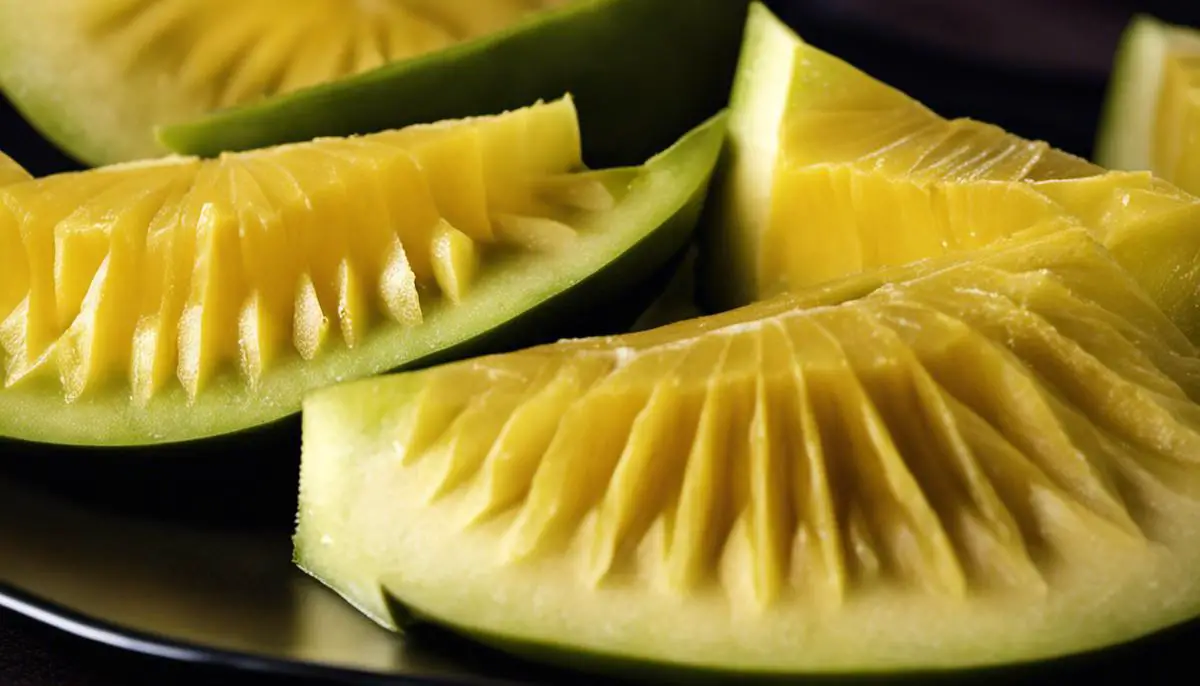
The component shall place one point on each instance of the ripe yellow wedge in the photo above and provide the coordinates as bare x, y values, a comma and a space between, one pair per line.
182, 298
966, 461
832, 172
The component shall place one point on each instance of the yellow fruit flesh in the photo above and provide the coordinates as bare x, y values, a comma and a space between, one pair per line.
160, 62
834, 173
981, 462
224, 53
173, 273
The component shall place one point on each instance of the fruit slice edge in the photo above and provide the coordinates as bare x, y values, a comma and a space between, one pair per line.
832, 171
622, 246
96, 76
1064, 557
666, 67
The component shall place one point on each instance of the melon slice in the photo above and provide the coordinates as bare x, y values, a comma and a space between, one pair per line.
968, 461
643, 73
832, 172
1151, 118
98, 75
170, 300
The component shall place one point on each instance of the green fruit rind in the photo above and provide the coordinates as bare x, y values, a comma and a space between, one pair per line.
619, 248
1126, 131
742, 189
642, 72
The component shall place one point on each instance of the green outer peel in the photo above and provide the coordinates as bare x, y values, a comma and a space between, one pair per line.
642, 72
743, 184
1126, 131
618, 248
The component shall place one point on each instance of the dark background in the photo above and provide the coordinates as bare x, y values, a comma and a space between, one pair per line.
1036, 67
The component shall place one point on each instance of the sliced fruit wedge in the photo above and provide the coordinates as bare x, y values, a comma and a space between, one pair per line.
956, 463
643, 72
97, 76
172, 300
832, 172
1150, 116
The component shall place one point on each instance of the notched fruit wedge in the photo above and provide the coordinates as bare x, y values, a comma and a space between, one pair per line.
958, 463
832, 172
178, 299
97, 76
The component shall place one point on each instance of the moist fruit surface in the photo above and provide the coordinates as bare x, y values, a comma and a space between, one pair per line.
832, 172
180, 298
971, 461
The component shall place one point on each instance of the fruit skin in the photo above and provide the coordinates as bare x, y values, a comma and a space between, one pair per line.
580, 297
1128, 658
643, 72
717, 249
1125, 135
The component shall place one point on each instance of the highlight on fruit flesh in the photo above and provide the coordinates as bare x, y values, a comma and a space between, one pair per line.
1151, 118
98, 75
176, 299
832, 172
987, 458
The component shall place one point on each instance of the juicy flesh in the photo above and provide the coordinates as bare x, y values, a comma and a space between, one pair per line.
990, 461
840, 173
221, 53
168, 274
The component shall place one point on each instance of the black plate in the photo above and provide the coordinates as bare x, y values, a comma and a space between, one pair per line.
187, 557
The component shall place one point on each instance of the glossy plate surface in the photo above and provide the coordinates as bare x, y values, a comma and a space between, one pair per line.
156, 555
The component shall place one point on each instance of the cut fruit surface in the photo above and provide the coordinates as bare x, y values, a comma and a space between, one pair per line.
98, 75
955, 463
832, 172
643, 72
177, 299
1151, 118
